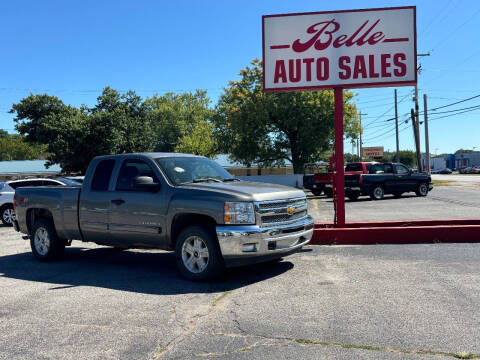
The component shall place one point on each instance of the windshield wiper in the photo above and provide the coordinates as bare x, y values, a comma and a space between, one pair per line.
231, 179
206, 179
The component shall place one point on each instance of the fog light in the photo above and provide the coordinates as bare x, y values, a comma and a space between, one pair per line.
249, 247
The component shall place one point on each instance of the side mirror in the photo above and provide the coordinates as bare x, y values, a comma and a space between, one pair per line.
146, 183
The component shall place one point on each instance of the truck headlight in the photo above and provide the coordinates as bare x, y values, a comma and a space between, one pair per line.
239, 213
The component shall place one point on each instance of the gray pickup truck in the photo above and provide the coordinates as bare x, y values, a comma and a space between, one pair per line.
178, 202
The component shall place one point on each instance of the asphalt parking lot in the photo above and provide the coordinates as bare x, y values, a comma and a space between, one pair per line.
443, 202
327, 302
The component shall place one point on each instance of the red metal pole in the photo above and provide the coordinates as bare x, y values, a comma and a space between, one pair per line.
339, 174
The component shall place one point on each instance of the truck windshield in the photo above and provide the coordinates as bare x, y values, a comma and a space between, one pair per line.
181, 170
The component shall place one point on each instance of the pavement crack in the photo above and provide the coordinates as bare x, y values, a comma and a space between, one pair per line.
307, 342
190, 326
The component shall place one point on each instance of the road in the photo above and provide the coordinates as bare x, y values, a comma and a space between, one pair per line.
327, 302
443, 202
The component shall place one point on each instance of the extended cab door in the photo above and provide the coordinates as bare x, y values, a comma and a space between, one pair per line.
404, 179
137, 215
94, 204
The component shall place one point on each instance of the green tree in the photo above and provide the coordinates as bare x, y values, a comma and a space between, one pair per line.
118, 123
200, 142
407, 157
31, 113
175, 116
15, 147
267, 129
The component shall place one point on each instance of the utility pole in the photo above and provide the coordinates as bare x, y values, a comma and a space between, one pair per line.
427, 145
416, 126
396, 128
417, 122
361, 131
416, 135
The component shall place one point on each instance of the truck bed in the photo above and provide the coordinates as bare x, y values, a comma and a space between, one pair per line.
61, 202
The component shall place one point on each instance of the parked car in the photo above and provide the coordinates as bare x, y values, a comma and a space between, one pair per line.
78, 179
442, 171
387, 178
7, 189
465, 170
474, 170
185, 203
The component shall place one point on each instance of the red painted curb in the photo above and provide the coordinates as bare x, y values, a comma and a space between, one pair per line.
398, 232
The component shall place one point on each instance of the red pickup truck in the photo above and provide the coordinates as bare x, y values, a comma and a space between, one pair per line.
321, 181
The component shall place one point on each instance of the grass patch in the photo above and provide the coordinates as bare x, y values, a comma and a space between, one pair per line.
443, 182
458, 355
220, 298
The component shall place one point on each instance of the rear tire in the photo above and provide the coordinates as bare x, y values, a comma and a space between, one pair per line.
8, 215
422, 190
377, 193
44, 241
317, 192
198, 254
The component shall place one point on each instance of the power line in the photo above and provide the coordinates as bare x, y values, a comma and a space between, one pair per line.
458, 102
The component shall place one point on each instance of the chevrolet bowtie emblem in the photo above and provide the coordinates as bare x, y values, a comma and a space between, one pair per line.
290, 210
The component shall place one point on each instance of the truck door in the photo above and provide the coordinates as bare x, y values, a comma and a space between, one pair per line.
137, 216
389, 177
404, 180
94, 204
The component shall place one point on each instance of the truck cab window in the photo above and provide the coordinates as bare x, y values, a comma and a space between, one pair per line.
388, 169
130, 170
401, 170
103, 173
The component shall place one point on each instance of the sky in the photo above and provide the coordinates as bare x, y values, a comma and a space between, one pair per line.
74, 49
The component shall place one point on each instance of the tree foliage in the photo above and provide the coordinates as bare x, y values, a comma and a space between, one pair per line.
268, 129
175, 116
407, 157
118, 123
15, 147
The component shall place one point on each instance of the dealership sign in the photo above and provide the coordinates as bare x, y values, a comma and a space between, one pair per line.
348, 49
372, 152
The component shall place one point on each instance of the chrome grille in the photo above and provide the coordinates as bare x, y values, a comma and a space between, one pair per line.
283, 217
275, 212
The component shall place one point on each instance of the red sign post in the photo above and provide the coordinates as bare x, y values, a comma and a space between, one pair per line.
340, 50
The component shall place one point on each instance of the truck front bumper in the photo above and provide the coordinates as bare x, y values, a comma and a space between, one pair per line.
241, 245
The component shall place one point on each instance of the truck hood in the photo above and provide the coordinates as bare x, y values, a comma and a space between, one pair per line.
255, 191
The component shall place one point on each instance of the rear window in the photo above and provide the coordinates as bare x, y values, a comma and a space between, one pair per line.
375, 168
103, 173
354, 167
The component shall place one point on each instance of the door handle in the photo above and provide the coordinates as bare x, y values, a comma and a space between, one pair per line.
118, 201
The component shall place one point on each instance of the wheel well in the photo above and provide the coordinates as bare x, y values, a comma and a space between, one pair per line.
35, 214
182, 221
5, 205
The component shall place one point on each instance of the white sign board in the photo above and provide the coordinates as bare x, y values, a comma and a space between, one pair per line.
348, 49
372, 152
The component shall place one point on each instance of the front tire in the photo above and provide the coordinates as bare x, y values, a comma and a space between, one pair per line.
353, 196
422, 190
198, 254
328, 192
44, 241
8, 215
377, 193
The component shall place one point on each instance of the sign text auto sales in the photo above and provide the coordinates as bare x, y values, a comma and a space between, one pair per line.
351, 49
